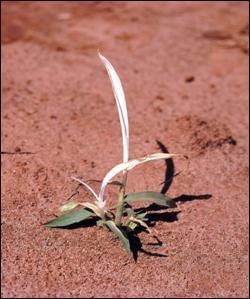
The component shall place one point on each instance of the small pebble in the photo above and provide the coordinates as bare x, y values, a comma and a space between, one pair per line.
189, 79
159, 97
17, 149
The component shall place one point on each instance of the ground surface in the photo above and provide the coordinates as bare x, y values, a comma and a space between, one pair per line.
184, 68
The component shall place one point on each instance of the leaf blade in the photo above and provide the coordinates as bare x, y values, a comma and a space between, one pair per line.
70, 218
121, 104
69, 206
111, 225
155, 197
132, 225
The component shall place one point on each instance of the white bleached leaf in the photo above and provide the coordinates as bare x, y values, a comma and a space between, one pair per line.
129, 165
121, 104
86, 185
99, 201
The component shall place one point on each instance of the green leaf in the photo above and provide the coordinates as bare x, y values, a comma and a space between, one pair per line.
70, 218
132, 225
69, 206
141, 216
100, 223
111, 225
155, 197
130, 212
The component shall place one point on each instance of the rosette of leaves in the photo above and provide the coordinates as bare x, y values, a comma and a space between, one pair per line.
124, 217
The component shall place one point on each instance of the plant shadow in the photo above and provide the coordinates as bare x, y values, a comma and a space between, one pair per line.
82, 224
154, 215
136, 246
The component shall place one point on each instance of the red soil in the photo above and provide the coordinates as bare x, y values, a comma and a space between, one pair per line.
184, 68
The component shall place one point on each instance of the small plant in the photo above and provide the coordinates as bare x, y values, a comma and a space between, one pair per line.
121, 218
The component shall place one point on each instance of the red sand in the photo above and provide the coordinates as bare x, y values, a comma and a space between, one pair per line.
184, 68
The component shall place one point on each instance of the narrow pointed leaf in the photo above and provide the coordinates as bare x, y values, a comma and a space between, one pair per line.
100, 223
130, 212
141, 223
69, 206
99, 201
74, 204
141, 216
132, 225
92, 207
70, 218
121, 104
86, 186
111, 225
155, 197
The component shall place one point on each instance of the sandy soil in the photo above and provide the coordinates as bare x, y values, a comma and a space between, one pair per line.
184, 68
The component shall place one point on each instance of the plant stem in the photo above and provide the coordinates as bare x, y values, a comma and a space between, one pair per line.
119, 212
